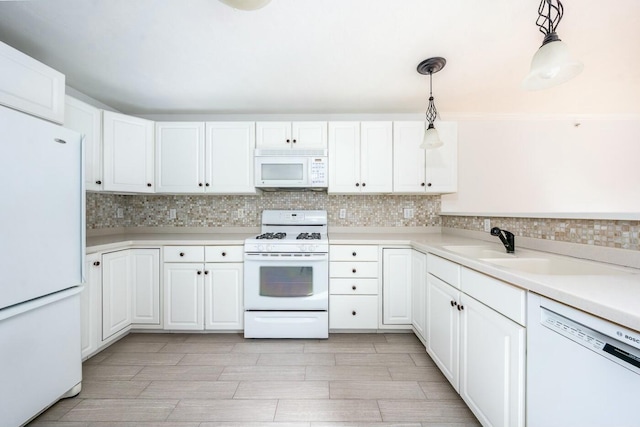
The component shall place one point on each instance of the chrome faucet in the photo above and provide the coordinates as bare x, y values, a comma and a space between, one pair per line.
507, 238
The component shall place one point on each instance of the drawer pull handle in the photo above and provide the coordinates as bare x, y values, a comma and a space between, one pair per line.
353, 287
353, 313
224, 254
354, 254
181, 253
453, 303
353, 271
96, 263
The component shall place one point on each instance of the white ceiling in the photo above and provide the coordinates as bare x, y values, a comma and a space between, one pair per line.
328, 56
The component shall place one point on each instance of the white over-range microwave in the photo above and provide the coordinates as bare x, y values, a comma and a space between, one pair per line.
305, 169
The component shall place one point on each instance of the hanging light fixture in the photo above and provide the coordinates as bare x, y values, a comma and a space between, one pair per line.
246, 4
429, 66
552, 63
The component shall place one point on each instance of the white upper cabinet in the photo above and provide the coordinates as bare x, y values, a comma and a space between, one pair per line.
291, 135
30, 86
229, 157
180, 157
87, 120
416, 170
128, 153
360, 157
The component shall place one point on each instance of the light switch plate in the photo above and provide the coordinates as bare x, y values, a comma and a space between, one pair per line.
343, 213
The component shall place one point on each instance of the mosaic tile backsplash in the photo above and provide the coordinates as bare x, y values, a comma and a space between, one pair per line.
361, 211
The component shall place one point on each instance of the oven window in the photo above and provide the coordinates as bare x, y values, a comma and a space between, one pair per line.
282, 172
286, 281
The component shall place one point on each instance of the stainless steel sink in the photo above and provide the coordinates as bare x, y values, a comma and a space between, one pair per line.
555, 266
478, 251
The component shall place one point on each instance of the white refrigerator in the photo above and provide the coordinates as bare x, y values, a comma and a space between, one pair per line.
42, 232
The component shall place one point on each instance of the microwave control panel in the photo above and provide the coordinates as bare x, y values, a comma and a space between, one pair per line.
318, 171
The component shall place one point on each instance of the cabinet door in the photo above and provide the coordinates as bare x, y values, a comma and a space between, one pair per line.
273, 135
145, 270
183, 296
396, 286
87, 120
309, 135
128, 153
116, 292
90, 306
409, 166
442, 162
229, 157
376, 154
224, 308
492, 365
442, 327
344, 157
30, 86
418, 291
180, 157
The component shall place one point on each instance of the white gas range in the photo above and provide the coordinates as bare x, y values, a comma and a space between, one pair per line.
286, 276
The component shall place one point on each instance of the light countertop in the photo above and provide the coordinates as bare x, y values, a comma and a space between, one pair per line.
615, 297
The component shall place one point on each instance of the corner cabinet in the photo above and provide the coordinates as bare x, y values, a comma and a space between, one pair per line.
416, 170
30, 86
87, 120
360, 157
291, 135
128, 153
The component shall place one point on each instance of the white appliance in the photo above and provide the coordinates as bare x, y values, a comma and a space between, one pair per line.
41, 261
304, 169
582, 371
286, 276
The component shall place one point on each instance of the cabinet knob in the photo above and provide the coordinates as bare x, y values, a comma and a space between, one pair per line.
460, 307
353, 287
288, 141
148, 184
224, 254
354, 253
422, 185
199, 184
98, 182
353, 313
364, 184
206, 272
453, 303
199, 272
207, 184
294, 141
96, 263
429, 185
357, 184
353, 271
181, 253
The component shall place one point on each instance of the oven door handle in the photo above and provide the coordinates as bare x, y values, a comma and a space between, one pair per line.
288, 257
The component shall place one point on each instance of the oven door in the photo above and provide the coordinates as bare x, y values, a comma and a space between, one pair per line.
286, 281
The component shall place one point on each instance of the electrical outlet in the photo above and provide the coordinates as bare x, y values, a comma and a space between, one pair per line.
487, 224
343, 213
120, 213
408, 213
172, 214
240, 213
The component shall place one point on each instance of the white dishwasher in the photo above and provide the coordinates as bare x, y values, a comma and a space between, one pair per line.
582, 371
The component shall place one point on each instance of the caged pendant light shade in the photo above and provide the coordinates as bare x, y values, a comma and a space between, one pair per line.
431, 138
552, 63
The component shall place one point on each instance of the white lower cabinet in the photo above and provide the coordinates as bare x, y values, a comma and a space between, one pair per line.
145, 287
418, 293
206, 292
396, 286
478, 349
116, 293
353, 287
91, 306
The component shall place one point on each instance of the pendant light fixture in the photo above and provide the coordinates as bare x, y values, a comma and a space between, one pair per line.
429, 66
552, 64
246, 4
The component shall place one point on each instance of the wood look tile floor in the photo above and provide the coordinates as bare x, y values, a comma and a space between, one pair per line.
212, 380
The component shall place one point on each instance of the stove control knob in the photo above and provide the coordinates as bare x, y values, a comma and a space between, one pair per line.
303, 248
261, 248
270, 248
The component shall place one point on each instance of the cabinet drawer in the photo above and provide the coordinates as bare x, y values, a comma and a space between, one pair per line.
353, 253
354, 286
353, 269
353, 312
506, 299
183, 254
444, 269
223, 253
